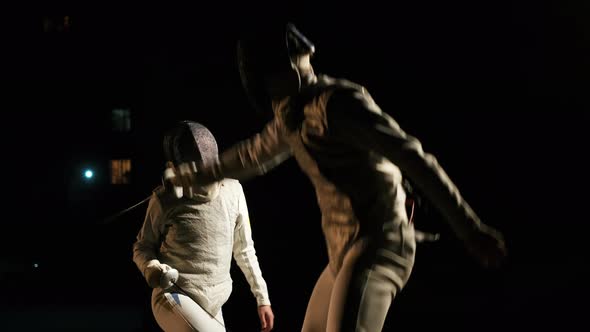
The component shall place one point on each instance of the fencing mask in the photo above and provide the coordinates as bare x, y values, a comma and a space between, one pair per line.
190, 141
267, 52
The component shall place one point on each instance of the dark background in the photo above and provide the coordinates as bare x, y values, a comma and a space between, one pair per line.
497, 90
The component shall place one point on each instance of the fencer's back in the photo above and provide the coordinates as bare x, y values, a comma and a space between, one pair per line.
359, 192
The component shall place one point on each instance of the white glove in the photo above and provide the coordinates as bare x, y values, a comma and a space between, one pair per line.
182, 180
160, 275
171, 182
168, 278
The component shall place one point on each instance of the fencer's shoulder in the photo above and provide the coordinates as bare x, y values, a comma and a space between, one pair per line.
232, 193
231, 185
346, 102
331, 85
162, 197
339, 93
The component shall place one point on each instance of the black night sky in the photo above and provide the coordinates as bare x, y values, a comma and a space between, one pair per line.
497, 90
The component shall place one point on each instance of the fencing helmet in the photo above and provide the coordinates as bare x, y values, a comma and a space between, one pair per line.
190, 141
264, 53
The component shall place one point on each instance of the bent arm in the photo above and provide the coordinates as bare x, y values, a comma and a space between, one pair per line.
147, 242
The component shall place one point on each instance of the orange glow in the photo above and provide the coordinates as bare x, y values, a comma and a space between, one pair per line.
120, 171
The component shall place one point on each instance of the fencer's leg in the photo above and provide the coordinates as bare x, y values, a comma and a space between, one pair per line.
366, 306
176, 312
365, 287
219, 317
317, 308
166, 317
342, 289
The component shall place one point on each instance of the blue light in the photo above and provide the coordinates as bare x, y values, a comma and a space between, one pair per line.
88, 174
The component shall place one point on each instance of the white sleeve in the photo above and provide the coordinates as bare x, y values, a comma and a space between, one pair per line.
245, 254
146, 245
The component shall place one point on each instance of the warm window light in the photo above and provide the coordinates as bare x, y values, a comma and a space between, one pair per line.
120, 171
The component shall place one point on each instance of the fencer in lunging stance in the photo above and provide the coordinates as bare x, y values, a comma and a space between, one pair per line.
356, 156
184, 248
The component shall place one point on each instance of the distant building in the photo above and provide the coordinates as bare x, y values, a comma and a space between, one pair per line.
120, 169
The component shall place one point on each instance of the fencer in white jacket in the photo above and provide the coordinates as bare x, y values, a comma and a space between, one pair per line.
197, 237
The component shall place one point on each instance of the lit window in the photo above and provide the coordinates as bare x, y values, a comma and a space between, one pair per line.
120, 171
121, 119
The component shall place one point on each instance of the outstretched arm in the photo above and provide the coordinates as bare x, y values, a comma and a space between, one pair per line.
251, 157
254, 156
355, 118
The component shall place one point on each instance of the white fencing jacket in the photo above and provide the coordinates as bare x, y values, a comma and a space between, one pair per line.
197, 237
